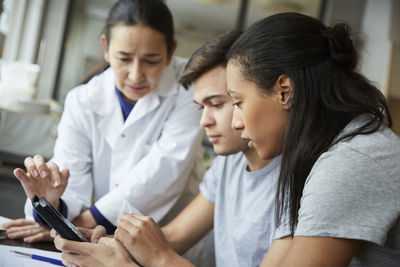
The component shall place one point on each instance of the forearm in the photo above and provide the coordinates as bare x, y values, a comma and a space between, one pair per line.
176, 239
85, 219
180, 240
195, 221
171, 259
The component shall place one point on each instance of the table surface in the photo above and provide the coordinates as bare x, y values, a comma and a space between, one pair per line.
20, 243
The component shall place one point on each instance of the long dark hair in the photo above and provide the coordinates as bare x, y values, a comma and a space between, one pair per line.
151, 13
327, 92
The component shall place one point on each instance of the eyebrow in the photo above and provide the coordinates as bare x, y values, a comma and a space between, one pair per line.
145, 55
207, 99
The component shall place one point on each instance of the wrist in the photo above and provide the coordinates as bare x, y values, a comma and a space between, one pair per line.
171, 258
56, 204
85, 219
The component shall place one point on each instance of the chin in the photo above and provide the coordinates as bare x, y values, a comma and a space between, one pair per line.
266, 155
219, 150
225, 151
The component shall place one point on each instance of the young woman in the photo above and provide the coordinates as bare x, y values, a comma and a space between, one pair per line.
129, 137
296, 92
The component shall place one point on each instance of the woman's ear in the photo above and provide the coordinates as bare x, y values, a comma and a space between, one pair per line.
104, 43
284, 87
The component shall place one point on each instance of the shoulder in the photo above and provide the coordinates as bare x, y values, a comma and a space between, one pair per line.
94, 90
230, 163
168, 86
353, 188
92, 87
363, 156
179, 64
358, 174
223, 168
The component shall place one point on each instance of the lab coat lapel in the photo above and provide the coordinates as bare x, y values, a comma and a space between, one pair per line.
111, 125
104, 102
142, 107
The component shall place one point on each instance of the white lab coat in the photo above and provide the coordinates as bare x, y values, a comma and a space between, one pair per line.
139, 166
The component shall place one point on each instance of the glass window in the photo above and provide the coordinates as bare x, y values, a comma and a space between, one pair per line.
196, 21
5, 10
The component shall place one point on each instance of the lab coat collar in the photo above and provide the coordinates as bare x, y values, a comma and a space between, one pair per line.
103, 100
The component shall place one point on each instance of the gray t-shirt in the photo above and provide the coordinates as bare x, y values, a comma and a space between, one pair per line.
353, 191
244, 205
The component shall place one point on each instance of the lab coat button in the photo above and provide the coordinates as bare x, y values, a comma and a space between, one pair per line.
122, 135
116, 185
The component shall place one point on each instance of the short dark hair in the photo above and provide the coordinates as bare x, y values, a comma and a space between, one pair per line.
151, 13
328, 92
211, 54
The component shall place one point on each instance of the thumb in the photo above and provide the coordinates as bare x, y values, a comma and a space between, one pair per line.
20, 175
53, 233
64, 176
107, 241
98, 232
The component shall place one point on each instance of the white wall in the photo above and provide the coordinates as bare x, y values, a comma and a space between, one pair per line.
394, 80
376, 56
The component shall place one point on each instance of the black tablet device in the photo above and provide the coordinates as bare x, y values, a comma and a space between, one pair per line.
55, 220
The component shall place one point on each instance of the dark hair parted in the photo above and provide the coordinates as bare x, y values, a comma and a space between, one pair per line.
210, 55
151, 13
327, 92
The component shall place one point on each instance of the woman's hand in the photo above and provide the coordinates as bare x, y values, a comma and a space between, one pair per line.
145, 241
43, 179
107, 252
94, 234
28, 230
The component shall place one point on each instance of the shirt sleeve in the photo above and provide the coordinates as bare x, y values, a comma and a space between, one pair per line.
283, 229
101, 220
348, 195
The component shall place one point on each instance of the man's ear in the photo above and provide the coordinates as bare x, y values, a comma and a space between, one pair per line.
171, 53
104, 43
284, 87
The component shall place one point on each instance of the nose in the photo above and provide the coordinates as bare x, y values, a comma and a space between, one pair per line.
206, 119
135, 71
237, 121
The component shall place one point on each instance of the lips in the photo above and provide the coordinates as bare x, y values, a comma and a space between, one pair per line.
213, 138
137, 88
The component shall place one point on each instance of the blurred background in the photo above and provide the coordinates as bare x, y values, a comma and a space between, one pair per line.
62, 39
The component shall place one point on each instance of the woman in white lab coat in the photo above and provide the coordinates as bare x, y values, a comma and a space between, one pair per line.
128, 139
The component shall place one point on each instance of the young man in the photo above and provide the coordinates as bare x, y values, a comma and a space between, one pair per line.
237, 193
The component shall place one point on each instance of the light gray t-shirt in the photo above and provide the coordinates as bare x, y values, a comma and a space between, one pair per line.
353, 191
244, 209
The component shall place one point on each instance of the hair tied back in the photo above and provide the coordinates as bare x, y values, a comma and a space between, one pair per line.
340, 45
